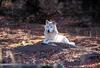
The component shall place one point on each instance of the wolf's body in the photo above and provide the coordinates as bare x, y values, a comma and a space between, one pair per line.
51, 34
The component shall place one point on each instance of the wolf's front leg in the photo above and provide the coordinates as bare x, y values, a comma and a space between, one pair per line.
45, 41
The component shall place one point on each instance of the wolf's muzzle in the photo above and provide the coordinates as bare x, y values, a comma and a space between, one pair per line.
48, 31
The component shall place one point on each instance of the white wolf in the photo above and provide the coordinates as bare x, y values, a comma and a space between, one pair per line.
51, 34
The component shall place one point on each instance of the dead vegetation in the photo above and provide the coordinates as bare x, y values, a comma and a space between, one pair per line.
21, 43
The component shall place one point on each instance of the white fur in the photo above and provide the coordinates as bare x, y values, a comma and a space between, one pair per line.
51, 34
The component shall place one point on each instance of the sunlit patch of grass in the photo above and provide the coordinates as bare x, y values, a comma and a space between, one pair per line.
23, 43
27, 42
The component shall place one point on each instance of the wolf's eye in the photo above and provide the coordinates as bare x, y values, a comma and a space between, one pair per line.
50, 26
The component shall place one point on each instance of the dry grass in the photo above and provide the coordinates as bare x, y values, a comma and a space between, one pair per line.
24, 43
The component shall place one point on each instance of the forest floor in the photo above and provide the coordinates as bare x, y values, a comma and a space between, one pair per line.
21, 43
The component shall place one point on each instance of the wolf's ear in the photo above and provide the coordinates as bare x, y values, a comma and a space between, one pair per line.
54, 23
47, 21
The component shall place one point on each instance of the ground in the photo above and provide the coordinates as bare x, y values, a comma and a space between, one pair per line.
21, 43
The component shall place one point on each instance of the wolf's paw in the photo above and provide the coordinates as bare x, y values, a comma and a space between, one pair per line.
45, 42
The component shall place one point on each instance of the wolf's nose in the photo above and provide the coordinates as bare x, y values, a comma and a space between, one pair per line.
48, 31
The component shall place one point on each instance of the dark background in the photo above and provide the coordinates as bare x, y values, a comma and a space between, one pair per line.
83, 12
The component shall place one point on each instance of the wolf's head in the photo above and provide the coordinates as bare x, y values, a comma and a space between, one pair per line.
50, 27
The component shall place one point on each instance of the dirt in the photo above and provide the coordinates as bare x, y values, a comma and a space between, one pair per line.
22, 43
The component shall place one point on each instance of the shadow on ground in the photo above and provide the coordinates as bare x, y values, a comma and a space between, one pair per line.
41, 50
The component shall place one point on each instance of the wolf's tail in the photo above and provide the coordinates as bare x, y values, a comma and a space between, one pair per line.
72, 43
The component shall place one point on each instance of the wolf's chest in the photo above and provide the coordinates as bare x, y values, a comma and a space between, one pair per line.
59, 38
55, 38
